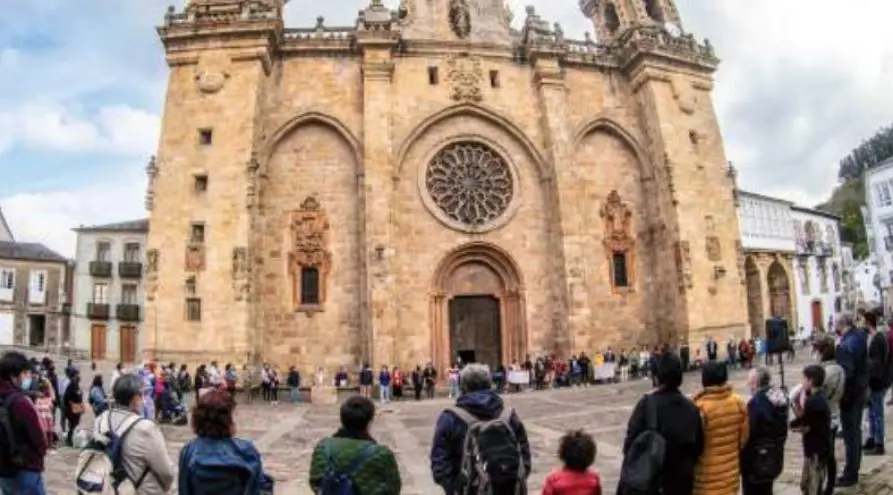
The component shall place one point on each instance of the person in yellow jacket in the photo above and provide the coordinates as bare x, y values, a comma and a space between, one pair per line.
724, 415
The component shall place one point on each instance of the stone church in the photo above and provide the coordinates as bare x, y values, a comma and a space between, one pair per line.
437, 181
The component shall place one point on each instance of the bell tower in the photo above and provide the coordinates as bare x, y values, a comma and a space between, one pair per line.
612, 18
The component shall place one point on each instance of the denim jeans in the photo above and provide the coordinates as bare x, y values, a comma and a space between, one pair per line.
876, 416
851, 424
293, 397
384, 393
454, 389
24, 482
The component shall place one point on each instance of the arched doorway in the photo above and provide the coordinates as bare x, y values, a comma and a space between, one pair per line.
779, 292
477, 308
754, 296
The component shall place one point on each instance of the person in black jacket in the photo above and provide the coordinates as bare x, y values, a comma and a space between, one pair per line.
679, 423
762, 459
852, 356
878, 383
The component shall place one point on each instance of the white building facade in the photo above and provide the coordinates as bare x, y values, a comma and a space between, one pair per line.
768, 245
109, 291
866, 282
818, 267
878, 217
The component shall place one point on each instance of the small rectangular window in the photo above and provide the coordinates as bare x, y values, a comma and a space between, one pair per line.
100, 293
7, 279
205, 137
132, 252
128, 294
309, 285
494, 78
197, 234
433, 78
103, 251
194, 309
201, 183
621, 277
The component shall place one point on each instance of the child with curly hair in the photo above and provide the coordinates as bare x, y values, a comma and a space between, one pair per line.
577, 451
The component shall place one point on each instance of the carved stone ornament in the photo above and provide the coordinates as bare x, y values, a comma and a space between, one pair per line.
152, 174
470, 183
309, 231
683, 266
684, 94
464, 75
460, 18
668, 168
241, 284
713, 247
739, 252
210, 81
617, 218
251, 181
152, 257
195, 257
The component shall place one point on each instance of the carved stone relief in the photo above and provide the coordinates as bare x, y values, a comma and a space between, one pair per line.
617, 218
309, 229
713, 247
684, 94
195, 257
668, 168
209, 81
241, 281
460, 18
464, 75
151, 273
152, 174
683, 266
739, 252
251, 176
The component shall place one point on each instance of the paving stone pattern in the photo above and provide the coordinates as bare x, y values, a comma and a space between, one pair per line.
286, 434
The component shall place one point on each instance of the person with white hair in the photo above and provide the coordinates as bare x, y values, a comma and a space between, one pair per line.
762, 459
495, 434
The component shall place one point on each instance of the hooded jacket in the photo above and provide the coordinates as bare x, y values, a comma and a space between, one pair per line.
26, 428
244, 476
377, 475
767, 414
449, 437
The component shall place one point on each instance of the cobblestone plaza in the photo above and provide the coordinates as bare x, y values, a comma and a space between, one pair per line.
286, 434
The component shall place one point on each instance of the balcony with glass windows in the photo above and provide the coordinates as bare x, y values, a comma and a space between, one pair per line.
128, 312
97, 311
101, 269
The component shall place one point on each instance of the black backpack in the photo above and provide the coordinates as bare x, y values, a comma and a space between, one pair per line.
10, 449
644, 461
491, 455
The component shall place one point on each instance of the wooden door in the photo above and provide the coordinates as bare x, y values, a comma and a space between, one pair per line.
474, 329
98, 335
128, 344
818, 317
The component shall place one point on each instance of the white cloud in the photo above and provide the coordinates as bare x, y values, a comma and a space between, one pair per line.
48, 216
118, 129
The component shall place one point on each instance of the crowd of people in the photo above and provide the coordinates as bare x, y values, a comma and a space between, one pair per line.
712, 443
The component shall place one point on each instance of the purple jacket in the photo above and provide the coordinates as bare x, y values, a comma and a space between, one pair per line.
26, 428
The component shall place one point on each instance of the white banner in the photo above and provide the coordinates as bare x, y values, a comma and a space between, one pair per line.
604, 371
519, 377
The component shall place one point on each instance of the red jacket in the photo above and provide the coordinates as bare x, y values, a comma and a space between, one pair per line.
567, 482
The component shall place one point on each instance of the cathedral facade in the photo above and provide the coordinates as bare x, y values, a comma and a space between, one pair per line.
432, 182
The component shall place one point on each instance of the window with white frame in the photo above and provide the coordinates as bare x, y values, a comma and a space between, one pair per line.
100, 293
37, 288
882, 194
128, 294
7, 284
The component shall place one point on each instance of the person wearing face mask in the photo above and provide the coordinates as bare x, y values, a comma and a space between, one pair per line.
21, 457
144, 454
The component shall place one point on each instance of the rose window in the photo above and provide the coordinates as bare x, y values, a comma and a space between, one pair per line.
470, 183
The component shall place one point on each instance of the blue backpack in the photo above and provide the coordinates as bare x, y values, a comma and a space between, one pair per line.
336, 482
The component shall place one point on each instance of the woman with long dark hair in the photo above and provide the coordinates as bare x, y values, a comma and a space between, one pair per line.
74, 406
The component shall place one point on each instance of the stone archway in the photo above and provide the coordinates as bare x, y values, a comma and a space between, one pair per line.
473, 284
754, 296
779, 292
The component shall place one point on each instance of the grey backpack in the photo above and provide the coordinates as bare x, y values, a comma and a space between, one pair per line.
491, 455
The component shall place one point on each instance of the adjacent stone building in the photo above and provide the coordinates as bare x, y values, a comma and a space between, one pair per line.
431, 183
768, 237
109, 291
32, 297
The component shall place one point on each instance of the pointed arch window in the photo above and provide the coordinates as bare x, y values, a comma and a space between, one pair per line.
612, 20
654, 10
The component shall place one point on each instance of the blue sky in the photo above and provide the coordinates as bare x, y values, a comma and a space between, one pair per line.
82, 85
